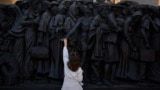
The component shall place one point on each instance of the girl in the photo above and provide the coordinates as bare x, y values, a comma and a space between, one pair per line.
72, 71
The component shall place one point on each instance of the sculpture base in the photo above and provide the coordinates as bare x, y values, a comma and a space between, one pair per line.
50, 85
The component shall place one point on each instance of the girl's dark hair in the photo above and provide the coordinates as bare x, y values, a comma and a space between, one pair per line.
74, 62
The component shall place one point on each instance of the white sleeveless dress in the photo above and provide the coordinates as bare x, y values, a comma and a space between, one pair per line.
72, 80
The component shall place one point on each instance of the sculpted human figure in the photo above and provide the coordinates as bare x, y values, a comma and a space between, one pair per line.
82, 28
8, 62
138, 39
56, 33
30, 23
43, 36
97, 27
17, 32
154, 69
7, 23
130, 36
110, 47
147, 53
124, 47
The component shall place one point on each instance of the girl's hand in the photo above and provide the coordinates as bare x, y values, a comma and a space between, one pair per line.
62, 39
65, 41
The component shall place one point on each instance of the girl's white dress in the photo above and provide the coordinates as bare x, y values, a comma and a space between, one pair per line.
72, 80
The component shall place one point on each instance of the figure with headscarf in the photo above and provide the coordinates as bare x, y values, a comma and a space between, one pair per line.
137, 31
17, 32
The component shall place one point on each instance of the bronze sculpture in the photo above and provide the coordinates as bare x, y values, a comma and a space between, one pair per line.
115, 41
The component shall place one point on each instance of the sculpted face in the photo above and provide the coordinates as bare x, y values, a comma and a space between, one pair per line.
87, 10
54, 9
74, 9
104, 12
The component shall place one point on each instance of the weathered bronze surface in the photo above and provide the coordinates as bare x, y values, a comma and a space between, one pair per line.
118, 43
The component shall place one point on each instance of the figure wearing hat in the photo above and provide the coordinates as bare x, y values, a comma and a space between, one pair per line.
97, 27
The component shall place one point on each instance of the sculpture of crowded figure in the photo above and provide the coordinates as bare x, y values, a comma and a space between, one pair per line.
117, 43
